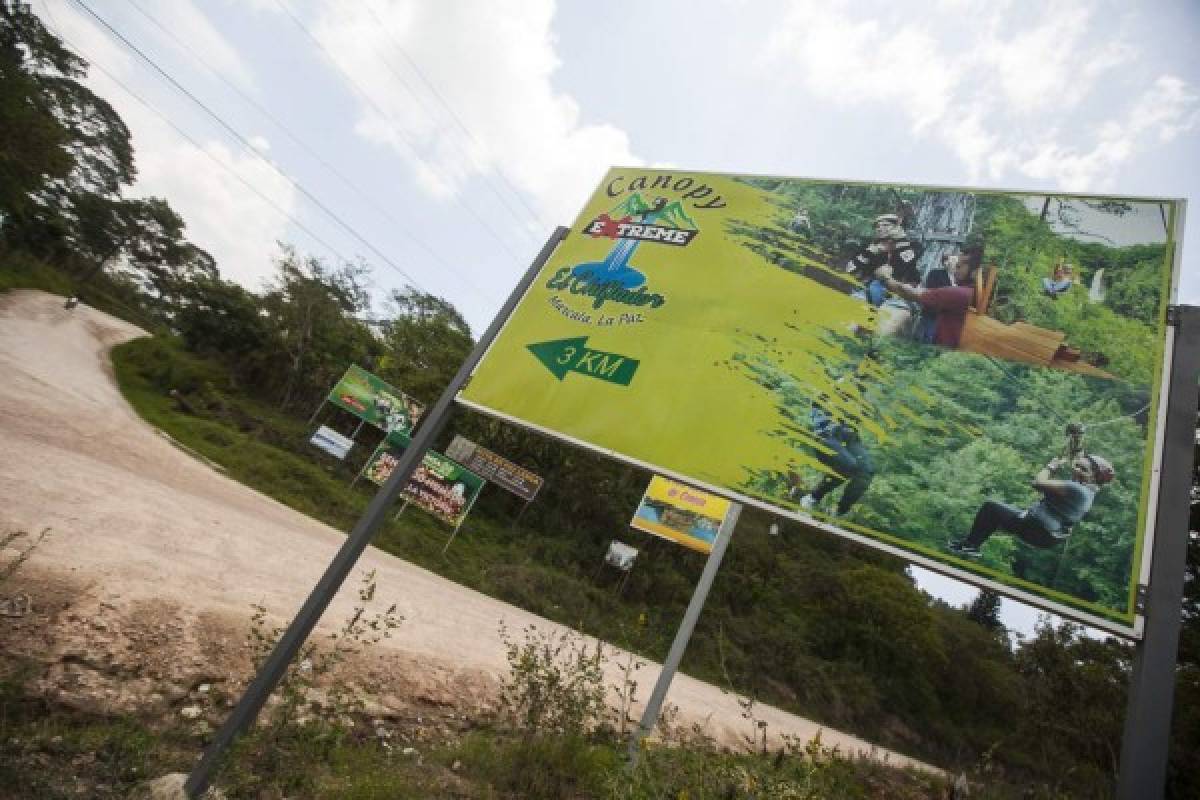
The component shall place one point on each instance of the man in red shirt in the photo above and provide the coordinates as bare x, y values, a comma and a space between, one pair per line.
950, 303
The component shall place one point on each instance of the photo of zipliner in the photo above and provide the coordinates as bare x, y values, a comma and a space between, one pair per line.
990, 407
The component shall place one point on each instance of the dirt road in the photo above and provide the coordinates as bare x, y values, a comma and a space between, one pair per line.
143, 588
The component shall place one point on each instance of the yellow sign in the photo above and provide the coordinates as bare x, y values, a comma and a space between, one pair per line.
680, 513
883, 360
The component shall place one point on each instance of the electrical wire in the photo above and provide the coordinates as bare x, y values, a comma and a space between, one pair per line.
396, 127
150, 107
1090, 425
359, 192
533, 215
249, 147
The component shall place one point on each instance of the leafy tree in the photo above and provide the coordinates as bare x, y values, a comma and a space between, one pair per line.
156, 251
218, 317
32, 139
310, 308
1074, 707
71, 140
65, 156
426, 341
985, 610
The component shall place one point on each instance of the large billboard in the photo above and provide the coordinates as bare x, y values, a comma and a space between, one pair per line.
968, 379
375, 401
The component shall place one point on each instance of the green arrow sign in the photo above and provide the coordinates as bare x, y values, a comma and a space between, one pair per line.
570, 355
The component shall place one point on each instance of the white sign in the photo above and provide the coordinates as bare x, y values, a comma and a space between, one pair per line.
620, 555
332, 442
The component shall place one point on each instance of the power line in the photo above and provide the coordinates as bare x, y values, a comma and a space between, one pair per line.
150, 107
249, 147
537, 218
395, 126
360, 193
533, 216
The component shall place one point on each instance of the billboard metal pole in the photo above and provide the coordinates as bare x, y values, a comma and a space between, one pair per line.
356, 542
1146, 740
684, 634
452, 535
313, 418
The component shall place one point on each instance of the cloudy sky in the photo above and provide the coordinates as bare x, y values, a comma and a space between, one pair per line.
442, 141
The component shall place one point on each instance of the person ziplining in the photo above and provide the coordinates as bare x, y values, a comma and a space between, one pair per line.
1049, 521
842, 452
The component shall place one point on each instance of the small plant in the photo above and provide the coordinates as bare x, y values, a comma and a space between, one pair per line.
316, 662
305, 727
6, 541
626, 689
555, 682
756, 740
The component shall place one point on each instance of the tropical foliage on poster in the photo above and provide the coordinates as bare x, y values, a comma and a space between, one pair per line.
967, 377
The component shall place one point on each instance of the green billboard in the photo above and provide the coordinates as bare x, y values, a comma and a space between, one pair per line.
444, 488
375, 401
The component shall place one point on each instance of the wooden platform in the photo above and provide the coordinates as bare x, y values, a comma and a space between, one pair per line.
1020, 341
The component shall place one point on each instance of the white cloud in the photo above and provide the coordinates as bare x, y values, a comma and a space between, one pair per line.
1162, 112
1044, 65
1004, 92
222, 215
189, 24
493, 63
1169, 107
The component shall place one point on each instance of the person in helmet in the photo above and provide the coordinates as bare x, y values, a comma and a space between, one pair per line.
1048, 521
890, 247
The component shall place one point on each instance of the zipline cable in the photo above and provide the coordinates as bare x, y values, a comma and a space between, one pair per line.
394, 126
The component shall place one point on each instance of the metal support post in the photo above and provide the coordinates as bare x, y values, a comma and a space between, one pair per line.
272, 671
1145, 743
517, 518
452, 535
313, 418
684, 634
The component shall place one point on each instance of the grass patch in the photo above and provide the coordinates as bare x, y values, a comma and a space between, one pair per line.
48, 752
51, 753
21, 271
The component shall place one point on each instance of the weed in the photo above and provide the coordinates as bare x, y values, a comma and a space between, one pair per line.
555, 682
6, 541
627, 667
307, 725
